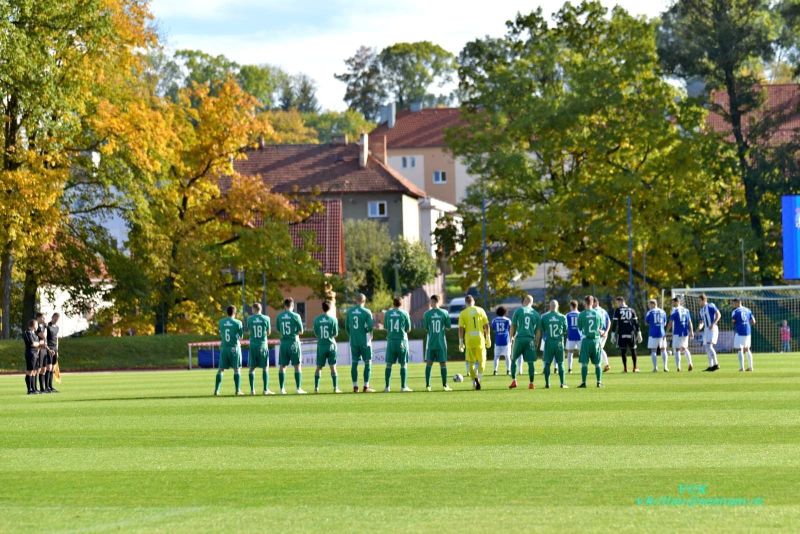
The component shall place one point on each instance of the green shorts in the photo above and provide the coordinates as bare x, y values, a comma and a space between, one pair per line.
590, 351
230, 358
553, 351
289, 353
326, 355
525, 348
397, 352
360, 352
436, 355
259, 356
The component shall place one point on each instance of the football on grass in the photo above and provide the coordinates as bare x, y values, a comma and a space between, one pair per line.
458, 378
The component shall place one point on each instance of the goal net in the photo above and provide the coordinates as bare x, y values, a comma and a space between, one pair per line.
771, 306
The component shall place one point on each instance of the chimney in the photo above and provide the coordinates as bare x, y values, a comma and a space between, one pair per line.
261, 142
391, 112
363, 152
384, 152
415, 107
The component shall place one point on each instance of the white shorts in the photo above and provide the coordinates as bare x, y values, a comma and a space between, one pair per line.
680, 342
573, 345
541, 346
710, 335
502, 350
603, 340
742, 342
656, 343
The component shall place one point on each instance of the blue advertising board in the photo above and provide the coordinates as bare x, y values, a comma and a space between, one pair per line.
791, 236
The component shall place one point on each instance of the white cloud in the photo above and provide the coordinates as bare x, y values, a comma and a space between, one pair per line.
319, 48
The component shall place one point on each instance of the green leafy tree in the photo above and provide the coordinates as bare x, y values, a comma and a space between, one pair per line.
331, 125
299, 92
410, 264
563, 121
365, 91
410, 69
367, 246
727, 44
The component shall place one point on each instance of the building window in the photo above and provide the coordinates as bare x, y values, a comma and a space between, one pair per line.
377, 209
439, 177
412, 161
300, 309
405, 162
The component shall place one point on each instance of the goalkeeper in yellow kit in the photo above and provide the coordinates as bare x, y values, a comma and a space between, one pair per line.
473, 335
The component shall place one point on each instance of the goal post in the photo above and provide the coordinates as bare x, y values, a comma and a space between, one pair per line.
771, 306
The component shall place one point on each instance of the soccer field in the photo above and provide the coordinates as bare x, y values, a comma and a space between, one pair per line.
154, 451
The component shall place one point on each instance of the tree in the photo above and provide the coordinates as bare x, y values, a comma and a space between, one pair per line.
561, 123
331, 125
410, 69
299, 92
263, 82
365, 91
59, 58
367, 247
719, 41
203, 68
410, 264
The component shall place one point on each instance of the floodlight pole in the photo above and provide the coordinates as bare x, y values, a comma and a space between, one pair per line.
630, 250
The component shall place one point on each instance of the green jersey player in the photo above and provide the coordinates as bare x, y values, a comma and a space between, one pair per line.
398, 324
290, 326
326, 328
358, 323
554, 328
590, 323
525, 331
259, 328
230, 332
436, 322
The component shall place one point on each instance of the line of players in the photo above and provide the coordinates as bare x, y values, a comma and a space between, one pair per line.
41, 354
516, 340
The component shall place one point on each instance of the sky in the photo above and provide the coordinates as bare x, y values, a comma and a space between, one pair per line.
316, 36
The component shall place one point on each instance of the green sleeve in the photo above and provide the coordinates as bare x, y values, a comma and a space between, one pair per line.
335, 323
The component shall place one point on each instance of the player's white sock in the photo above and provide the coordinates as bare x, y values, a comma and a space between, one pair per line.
688, 356
496, 361
664, 357
677, 359
654, 357
569, 361
741, 358
466, 364
749, 359
508, 362
712, 356
604, 357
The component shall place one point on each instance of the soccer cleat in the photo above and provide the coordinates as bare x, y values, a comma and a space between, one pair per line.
749, 370
337, 390
606, 369
283, 391
636, 370
406, 390
216, 393
355, 389
666, 370
508, 373
316, 390
599, 384
690, 367
564, 386
494, 373
268, 392
655, 370
547, 386
583, 385
477, 384
678, 370
531, 385
569, 372
714, 368
368, 389
252, 392
741, 369
34, 393
387, 389
625, 371
428, 388
707, 369
513, 384
238, 393
447, 388
53, 390
301, 391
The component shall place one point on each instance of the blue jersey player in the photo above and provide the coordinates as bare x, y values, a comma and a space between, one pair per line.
573, 334
502, 346
709, 318
656, 320
680, 322
742, 319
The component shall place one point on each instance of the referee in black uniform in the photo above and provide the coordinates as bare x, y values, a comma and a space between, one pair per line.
32, 344
52, 349
44, 354
625, 332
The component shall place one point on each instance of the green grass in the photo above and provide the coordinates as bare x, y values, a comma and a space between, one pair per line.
154, 451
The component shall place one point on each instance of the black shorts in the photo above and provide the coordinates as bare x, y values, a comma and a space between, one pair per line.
44, 358
54, 357
31, 361
626, 343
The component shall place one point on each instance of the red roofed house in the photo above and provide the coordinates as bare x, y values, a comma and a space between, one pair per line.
781, 102
354, 184
415, 146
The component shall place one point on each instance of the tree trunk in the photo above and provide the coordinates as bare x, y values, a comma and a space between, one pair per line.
6, 268
29, 293
165, 305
